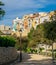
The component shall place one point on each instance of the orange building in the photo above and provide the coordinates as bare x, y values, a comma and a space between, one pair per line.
25, 23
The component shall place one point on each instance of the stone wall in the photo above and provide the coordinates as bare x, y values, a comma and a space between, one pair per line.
7, 54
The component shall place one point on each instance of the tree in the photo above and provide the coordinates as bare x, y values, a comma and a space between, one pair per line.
24, 43
53, 17
50, 30
37, 36
31, 39
2, 12
45, 33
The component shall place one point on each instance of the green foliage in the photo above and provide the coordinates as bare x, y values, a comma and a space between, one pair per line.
53, 17
2, 12
50, 30
1, 4
31, 44
23, 44
7, 41
28, 50
1, 32
55, 55
45, 33
40, 49
31, 50
30, 34
37, 36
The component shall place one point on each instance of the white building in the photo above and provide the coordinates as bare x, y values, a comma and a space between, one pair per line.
44, 18
7, 28
43, 13
2, 27
17, 24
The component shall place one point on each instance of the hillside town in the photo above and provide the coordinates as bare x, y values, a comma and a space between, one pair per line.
26, 23
30, 21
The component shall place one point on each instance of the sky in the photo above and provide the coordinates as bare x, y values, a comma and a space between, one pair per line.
18, 8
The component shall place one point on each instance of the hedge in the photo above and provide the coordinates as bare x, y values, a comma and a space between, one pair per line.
7, 41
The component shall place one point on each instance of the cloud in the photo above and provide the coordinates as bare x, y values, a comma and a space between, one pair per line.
18, 8
24, 4
21, 4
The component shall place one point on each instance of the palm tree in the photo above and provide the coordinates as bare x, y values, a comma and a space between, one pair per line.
2, 12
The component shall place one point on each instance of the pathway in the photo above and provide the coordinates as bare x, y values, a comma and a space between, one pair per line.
34, 59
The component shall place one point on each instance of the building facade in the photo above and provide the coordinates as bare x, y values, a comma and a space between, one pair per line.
30, 20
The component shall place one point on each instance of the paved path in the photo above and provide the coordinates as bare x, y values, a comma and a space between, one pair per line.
34, 59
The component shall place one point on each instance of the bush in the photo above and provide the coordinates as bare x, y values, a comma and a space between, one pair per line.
41, 49
30, 50
7, 41
55, 55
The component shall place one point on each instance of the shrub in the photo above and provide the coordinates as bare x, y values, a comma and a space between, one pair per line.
7, 41
40, 49
31, 50
55, 55
28, 50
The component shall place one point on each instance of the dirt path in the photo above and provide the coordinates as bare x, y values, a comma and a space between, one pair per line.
35, 59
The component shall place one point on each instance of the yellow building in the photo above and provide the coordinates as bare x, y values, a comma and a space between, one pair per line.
34, 23
18, 26
51, 13
25, 23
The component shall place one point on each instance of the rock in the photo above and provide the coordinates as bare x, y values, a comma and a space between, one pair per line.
7, 54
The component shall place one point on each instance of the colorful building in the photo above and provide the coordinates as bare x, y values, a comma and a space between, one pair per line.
30, 20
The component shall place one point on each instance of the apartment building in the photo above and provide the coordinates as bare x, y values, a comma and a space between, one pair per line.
5, 29
2, 27
17, 24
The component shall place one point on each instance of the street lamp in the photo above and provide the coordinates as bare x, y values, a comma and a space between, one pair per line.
20, 31
52, 52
